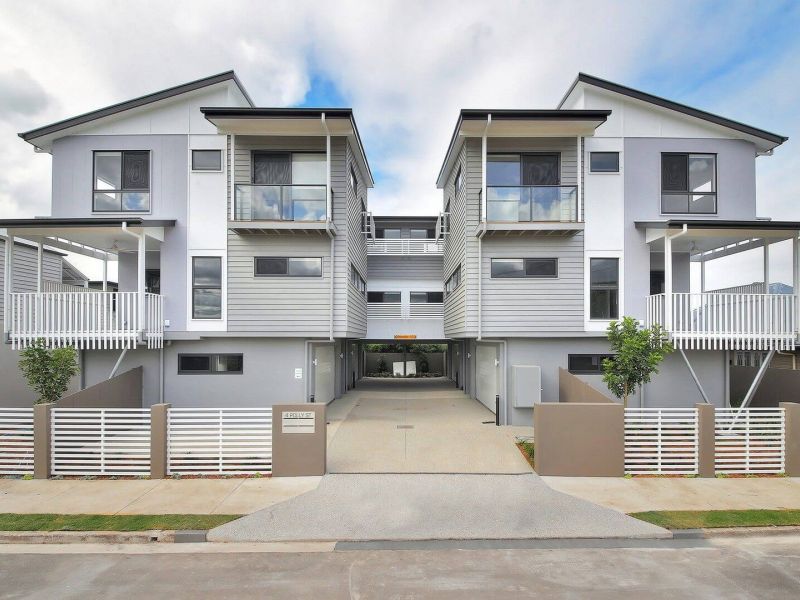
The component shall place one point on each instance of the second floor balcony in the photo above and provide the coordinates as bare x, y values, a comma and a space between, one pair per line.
532, 204
304, 203
405, 246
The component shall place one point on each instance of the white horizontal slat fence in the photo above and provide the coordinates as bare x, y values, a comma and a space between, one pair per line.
16, 441
750, 441
661, 441
100, 441
219, 441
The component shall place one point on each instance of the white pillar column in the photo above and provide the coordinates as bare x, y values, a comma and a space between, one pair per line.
702, 276
579, 206
8, 281
39, 266
105, 273
667, 282
796, 278
766, 266
141, 259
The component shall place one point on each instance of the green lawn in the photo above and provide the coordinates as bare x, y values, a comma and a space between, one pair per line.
48, 522
698, 519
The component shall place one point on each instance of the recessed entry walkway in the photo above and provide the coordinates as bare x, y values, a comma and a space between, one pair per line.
418, 426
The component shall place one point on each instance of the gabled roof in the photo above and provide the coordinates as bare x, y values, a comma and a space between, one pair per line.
135, 103
676, 106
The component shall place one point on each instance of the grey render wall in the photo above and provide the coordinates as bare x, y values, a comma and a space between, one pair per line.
278, 306
72, 197
525, 307
674, 386
268, 376
14, 390
736, 198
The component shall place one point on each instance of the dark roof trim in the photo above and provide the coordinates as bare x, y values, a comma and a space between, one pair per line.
298, 113
294, 113
709, 224
89, 222
534, 115
676, 106
135, 103
471, 114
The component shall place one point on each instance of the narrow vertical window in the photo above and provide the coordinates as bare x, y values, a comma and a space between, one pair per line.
206, 287
603, 288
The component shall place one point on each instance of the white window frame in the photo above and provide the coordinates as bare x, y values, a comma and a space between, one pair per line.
220, 324
221, 161
601, 324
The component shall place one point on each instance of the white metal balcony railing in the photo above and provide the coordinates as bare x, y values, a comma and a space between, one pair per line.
86, 320
402, 246
722, 321
399, 310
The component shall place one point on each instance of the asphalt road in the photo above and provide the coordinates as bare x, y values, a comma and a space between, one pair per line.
763, 568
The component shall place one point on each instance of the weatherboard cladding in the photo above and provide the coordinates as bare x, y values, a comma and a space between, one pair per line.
455, 249
422, 268
356, 248
25, 269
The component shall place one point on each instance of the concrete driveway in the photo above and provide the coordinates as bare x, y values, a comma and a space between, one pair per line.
418, 426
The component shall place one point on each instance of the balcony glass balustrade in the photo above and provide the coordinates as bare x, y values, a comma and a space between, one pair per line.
280, 203
532, 203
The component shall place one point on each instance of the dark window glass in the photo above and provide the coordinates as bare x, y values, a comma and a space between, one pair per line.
390, 233
453, 281
305, 267
353, 179
266, 266
426, 297
436, 297
121, 181
383, 297
272, 168
191, 363
206, 160
604, 162
540, 169
207, 287
524, 267
587, 363
152, 281
541, 267
421, 234
656, 282
688, 183
508, 267
502, 170
271, 266
198, 364
604, 288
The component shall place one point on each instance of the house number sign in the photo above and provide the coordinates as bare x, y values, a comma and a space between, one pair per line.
297, 421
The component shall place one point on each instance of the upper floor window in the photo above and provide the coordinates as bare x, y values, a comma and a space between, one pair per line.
604, 162
206, 160
357, 280
688, 183
121, 181
523, 169
392, 234
603, 288
524, 267
421, 234
206, 287
453, 281
282, 266
288, 186
353, 179
383, 297
459, 181
426, 297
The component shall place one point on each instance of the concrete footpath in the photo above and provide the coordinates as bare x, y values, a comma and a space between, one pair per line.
148, 497
640, 494
432, 507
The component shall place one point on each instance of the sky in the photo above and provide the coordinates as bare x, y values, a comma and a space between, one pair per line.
406, 68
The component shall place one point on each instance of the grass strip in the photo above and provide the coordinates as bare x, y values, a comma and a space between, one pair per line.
699, 519
54, 522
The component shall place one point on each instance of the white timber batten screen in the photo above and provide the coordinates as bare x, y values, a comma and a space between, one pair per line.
87, 320
401, 246
661, 441
100, 441
206, 441
384, 310
16, 441
426, 310
753, 441
723, 321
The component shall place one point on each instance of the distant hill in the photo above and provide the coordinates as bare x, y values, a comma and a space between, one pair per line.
780, 288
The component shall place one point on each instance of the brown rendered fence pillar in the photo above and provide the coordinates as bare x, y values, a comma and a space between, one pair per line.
299, 440
41, 440
159, 414
792, 411
706, 440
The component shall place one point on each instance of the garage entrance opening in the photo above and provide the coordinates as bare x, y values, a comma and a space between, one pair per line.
405, 360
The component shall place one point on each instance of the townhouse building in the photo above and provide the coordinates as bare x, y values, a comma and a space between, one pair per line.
251, 270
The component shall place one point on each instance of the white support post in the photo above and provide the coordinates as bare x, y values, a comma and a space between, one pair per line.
39, 266
232, 176
105, 273
796, 278
483, 167
328, 197
579, 154
668, 282
766, 266
8, 279
141, 261
702, 276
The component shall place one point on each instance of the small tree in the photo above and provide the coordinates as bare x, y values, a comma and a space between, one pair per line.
382, 368
48, 370
637, 353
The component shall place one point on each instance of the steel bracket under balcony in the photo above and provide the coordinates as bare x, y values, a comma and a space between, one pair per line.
282, 227
529, 228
